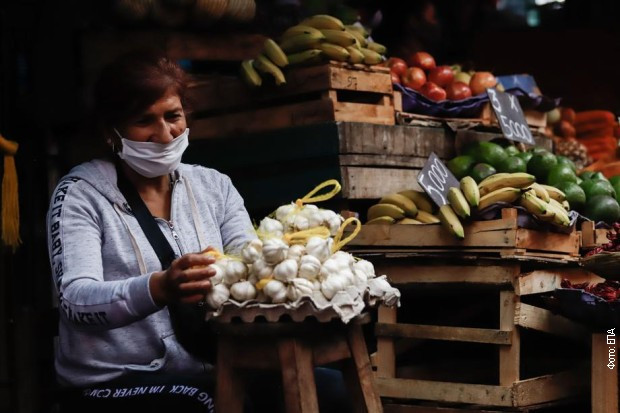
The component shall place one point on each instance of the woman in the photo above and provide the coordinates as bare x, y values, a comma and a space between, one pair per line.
116, 340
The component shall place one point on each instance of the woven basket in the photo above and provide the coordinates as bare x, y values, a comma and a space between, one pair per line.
605, 264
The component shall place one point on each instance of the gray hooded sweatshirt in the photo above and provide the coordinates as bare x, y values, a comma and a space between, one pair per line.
101, 264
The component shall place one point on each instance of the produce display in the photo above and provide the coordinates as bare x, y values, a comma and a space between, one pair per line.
608, 290
614, 242
315, 40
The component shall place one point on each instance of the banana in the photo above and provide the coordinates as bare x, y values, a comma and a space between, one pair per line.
426, 217
371, 57
264, 65
565, 204
514, 180
421, 200
450, 221
409, 221
535, 205
494, 176
377, 47
323, 21
339, 37
359, 29
389, 210
506, 194
301, 42
334, 52
384, 220
300, 29
306, 57
555, 193
355, 55
469, 187
275, 53
402, 202
360, 38
249, 74
458, 202
540, 190
561, 216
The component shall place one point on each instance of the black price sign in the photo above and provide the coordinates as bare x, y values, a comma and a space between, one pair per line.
510, 116
436, 180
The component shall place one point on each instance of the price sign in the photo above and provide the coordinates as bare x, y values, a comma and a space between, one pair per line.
436, 180
510, 116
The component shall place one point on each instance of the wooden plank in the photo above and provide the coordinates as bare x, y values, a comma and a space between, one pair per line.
587, 234
297, 377
542, 281
373, 183
548, 241
386, 356
465, 334
361, 112
551, 387
604, 388
383, 161
359, 80
404, 408
411, 273
360, 373
229, 386
445, 391
509, 357
528, 316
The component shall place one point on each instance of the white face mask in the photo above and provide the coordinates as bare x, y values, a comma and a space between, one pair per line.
151, 159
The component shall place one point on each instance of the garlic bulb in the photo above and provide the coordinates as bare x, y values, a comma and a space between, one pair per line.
274, 251
276, 291
347, 275
252, 251
314, 220
243, 291
329, 267
300, 223
299, 287
309, 267
332, 284
235, 271
286, 270
319, 247
217, 296
219, 274
309, 210
345, 258
359, 279
284, 211
366, 267
295, 252
271, 227
327, 215
261, 270
334, 224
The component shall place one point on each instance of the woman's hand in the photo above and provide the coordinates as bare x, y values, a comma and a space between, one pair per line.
186, 281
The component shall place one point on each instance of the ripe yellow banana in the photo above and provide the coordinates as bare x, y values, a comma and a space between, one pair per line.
469, 187
494, 176
323, 21
334, 52
355, 55
339, 37
300, 29
513, 180
409, 221
555, 193
506, 194
358, 29
371, 57
536, 206
377, 47
306, 57
302, 42
450, 221
540, 191
426, 217
402, 202
421, 200
275, 53
565, 204
385, 220
385, 210
264, 65
561, 216
458, 202
360, 38
249, 74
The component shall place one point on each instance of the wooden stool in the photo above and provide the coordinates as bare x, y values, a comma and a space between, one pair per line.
295, 348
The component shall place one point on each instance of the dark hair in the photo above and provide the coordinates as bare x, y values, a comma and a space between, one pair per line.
132, 83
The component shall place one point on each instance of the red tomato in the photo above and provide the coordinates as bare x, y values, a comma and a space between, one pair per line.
433, 92
441, 75
397, 65
414, 78
422, 60
395, 77
481, 81
458, 91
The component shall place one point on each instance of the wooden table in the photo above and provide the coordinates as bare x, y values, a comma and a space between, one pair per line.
605, 372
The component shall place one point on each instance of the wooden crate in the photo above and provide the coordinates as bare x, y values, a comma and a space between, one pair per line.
502, 237
592, 237
276, 167
315, 94
512, 280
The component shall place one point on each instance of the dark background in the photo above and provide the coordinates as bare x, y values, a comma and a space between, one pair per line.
46, 66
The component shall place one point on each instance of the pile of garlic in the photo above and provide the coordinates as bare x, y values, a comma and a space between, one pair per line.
294, 218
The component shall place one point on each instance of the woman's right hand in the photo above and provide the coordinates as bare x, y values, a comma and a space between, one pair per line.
186, 280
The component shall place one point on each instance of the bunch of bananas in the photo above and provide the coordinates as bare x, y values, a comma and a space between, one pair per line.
315, 40
545, 202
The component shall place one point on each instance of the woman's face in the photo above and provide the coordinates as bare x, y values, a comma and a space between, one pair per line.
161, 122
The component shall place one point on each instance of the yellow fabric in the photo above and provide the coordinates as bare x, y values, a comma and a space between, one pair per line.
10, 196
311, 198
301, 237
338, 241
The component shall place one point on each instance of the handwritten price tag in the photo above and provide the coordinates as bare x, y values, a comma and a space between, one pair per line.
510, 116
436, 179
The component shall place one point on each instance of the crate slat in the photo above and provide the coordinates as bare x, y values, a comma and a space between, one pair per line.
463, 334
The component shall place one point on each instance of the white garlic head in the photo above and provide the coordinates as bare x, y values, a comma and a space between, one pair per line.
219, 274
271, 227
334, 224
299, 287
286, 270
295, 252
276, 291
249, 254
332, 285
260, 269
319, 247
366, 267
300, 223
329, 267
309, 267
217, 296
235, 271
274, 251
284, 211
243, 291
